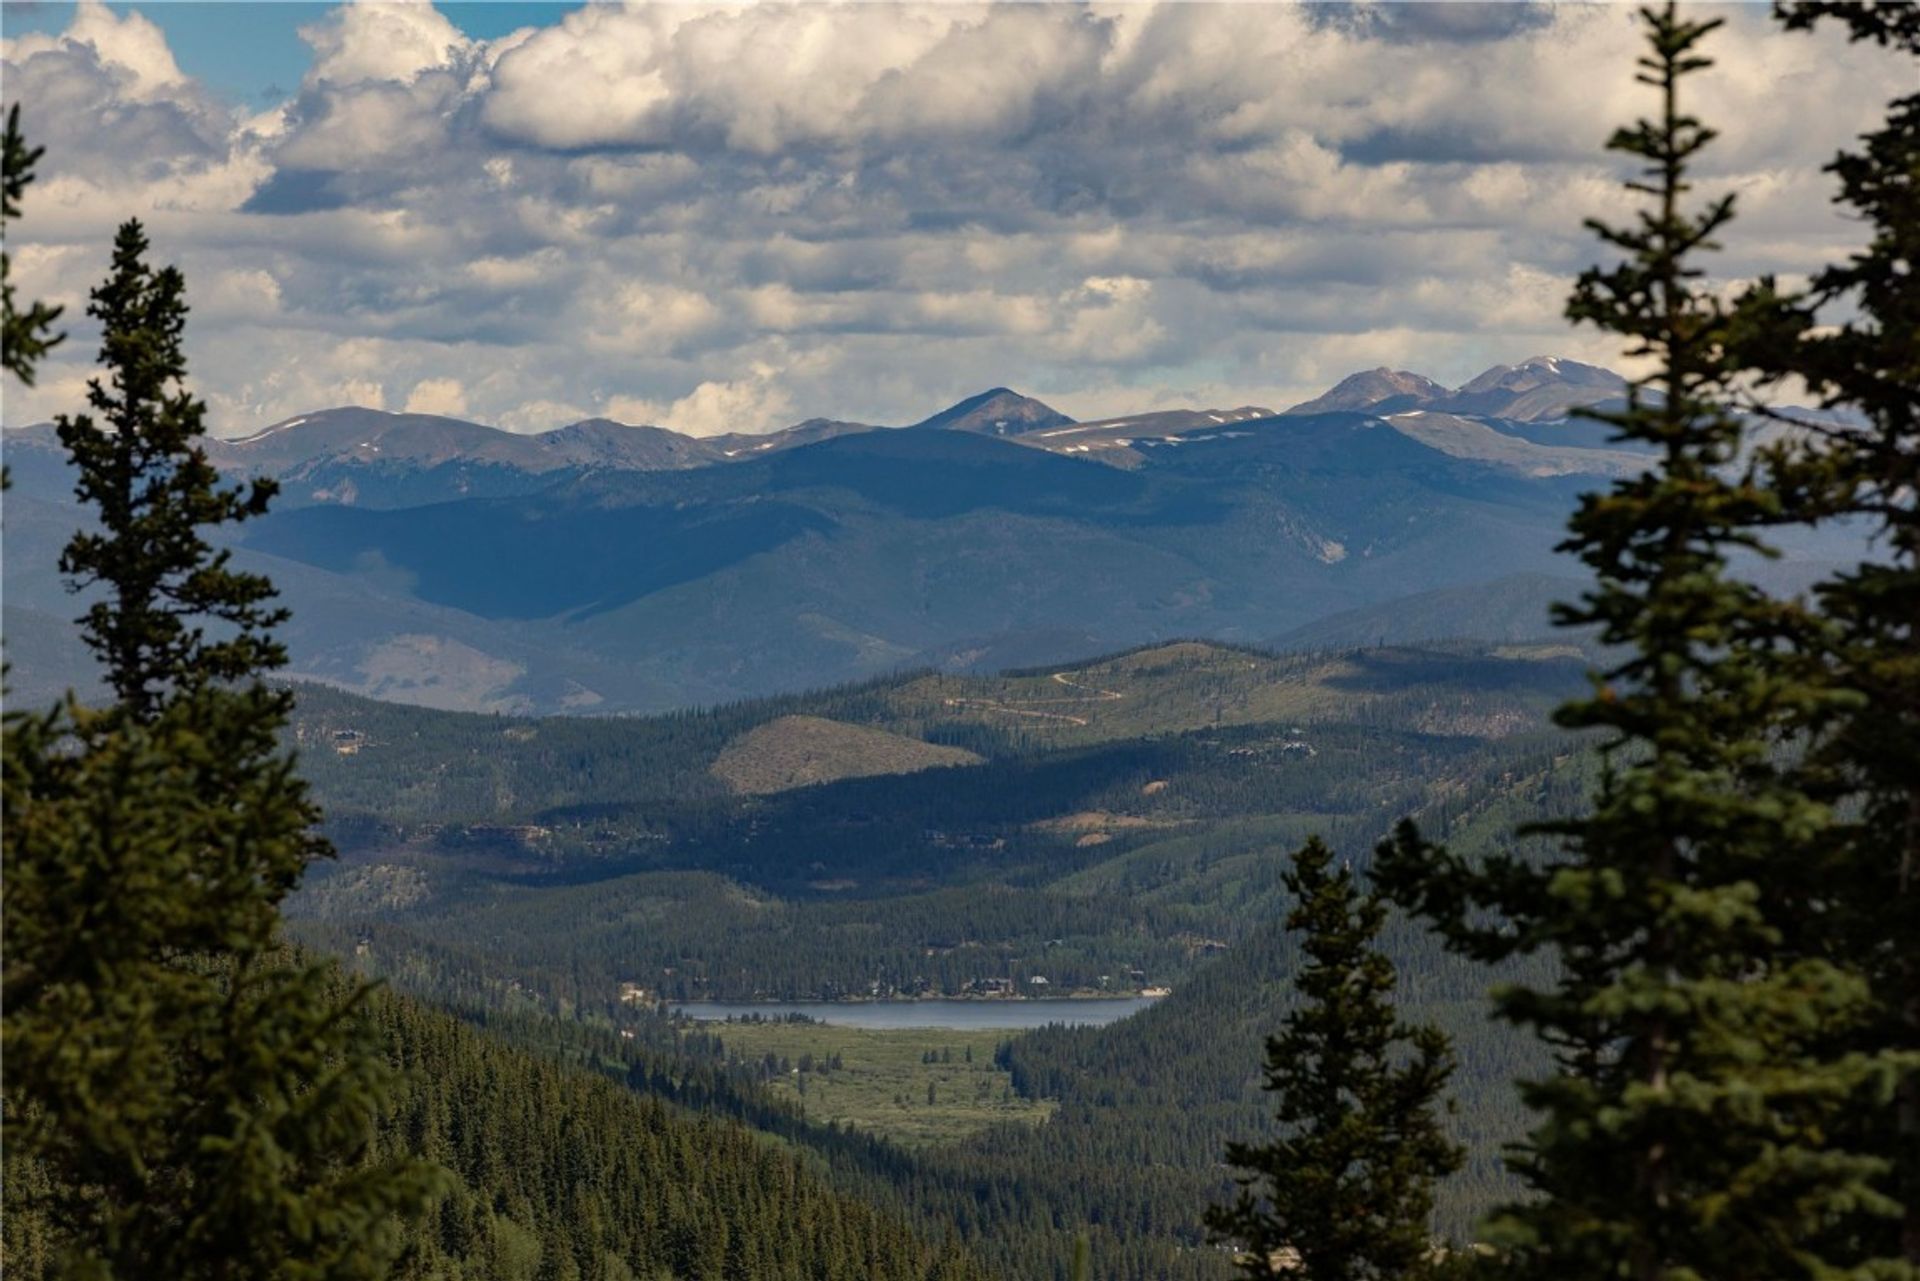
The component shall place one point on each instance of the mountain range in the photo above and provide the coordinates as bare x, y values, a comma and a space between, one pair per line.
606, 567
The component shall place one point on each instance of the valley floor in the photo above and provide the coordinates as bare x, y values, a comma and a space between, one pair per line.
915, 1086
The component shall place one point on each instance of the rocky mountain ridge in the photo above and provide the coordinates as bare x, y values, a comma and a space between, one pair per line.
1538, 389
310, 450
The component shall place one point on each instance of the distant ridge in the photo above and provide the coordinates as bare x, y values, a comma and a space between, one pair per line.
603, 567
1539, 389
1516, 607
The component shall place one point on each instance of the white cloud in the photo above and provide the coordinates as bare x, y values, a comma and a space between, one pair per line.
382, 40
753, 403
592, 80
638, 318
442, 396
132, 46
749, 404
245, 294
364, 126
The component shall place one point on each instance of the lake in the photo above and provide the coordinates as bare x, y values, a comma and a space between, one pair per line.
950, 1015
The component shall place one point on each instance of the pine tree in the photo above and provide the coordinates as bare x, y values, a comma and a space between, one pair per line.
1864, 752
1686, 1133
155, 491
198, 1102
26, 334
1346, 1192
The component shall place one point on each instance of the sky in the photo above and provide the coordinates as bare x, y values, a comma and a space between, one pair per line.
734, 217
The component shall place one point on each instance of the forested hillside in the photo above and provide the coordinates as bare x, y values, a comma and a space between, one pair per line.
1129, 835
563, 1174
1107, 848
554, 1168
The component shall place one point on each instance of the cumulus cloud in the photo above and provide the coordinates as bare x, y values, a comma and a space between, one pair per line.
721, 217
590, 81
381, 40
444, 396
755, 402
131, 47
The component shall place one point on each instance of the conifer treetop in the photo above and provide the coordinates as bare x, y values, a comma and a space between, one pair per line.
142, 469
1346, 1192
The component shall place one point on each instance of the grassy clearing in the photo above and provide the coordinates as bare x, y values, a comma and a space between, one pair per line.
800, 751
879, 1080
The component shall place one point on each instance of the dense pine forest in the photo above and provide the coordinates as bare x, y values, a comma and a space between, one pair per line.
557, 1167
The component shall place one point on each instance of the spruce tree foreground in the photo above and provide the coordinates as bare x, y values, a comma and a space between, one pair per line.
1724, 1019
183, 1099
1346, 1193
26, 333
1864, 754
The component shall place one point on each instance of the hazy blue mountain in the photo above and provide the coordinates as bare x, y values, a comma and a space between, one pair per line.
740, 444
876, 551
1531, 449
602, 567
1512, 608
602, 442
1128, 441
45, 659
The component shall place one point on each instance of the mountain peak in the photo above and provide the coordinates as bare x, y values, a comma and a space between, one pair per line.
1536, 371
362, 433
1380, 391
1540, 388
998, 411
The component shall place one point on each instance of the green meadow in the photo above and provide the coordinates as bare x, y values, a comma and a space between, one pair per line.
917, 1086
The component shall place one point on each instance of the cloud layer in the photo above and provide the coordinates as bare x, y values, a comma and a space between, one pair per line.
725, 217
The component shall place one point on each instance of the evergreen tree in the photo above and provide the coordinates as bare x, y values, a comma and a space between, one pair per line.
1346, 1192
1864, 752
197, 1103
155, 491
1686, 1133
25, 334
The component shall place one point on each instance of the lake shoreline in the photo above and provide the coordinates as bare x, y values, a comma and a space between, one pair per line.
1024, 1013
1147, 994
